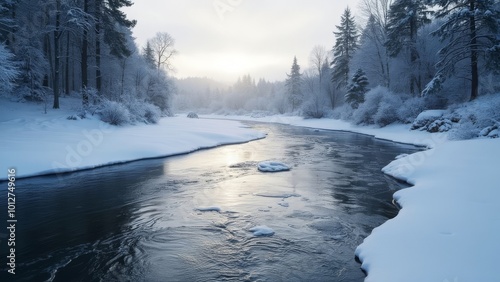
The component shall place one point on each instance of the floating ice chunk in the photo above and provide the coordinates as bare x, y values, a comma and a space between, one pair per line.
262, 230
272, 166
276, 195
207, 209
284, 204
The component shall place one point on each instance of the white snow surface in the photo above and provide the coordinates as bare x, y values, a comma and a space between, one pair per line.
449, 225
270, 166
35, 143
261, 230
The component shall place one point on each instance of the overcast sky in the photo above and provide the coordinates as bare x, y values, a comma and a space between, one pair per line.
225, 39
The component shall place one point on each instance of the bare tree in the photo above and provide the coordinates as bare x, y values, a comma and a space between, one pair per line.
163, 48
378, 9
317, 58
376, 15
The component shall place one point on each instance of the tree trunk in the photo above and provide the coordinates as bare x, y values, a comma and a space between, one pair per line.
56, 55
413, 53
473, 52
66, 68
98, 78
84, 63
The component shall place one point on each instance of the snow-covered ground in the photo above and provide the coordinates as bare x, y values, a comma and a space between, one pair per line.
449, 225
35, 143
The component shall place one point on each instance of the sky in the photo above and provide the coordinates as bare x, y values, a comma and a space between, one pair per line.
226, 39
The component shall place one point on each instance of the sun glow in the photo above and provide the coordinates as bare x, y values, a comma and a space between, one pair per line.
227, 65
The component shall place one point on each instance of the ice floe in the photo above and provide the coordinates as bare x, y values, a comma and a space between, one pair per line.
271, 166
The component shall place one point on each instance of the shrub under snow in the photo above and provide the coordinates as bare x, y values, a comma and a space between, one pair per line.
114, 113
480, 117
380, 107
141, 111
192, 115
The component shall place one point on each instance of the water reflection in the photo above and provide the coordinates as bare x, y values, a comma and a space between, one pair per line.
139, 221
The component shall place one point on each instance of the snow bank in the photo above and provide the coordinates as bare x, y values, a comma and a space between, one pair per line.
448, 227
35, 143
261, 231
272, 166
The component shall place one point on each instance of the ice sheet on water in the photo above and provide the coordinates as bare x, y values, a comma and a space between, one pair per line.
271, 166
261, 230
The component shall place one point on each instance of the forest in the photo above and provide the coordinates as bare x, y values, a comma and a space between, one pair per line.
387, 64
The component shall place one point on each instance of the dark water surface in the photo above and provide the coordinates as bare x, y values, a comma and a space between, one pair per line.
139, 221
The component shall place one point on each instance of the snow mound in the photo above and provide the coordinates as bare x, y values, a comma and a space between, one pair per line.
208, 209
427, 118
272, 166
192, 115
430, 114
262, 230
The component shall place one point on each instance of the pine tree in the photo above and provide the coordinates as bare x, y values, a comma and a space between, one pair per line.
110, 19
405, 19
345, 45
357, 89
8, 69
471, 29
8, 23
149, 56
114, 23
294, 85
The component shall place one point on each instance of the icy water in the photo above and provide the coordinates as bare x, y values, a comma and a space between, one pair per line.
142, 221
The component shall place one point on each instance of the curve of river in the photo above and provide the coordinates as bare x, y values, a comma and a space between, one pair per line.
146, 220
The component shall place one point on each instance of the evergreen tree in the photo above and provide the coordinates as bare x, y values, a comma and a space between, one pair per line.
471, 29
357, 89
7, 21
345, 45
405, 19
114, 22
149, 56
8, 69
294, 85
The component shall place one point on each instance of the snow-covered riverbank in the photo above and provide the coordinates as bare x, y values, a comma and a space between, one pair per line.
447, 230
35, 143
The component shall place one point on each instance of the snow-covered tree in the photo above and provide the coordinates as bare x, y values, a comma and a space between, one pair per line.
7, 20
346, 42
8, 69
357, 89
294, 85
373, 55
149, 57
406, 17
471, 30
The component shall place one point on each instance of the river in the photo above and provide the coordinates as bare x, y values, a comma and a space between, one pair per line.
145, 220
